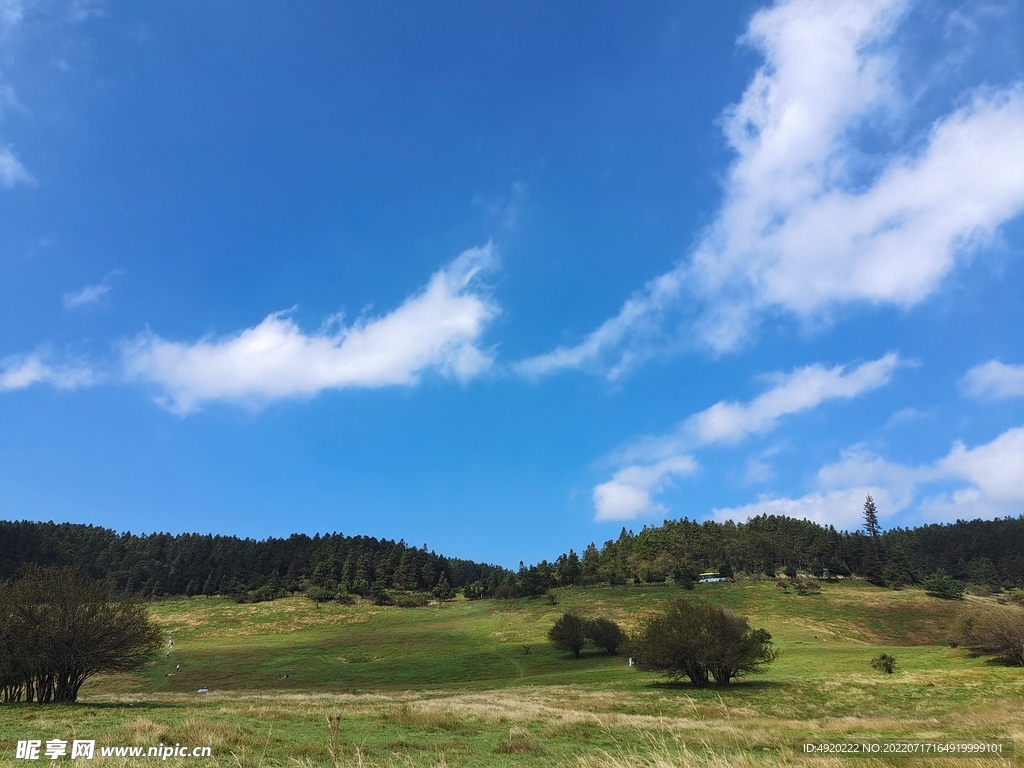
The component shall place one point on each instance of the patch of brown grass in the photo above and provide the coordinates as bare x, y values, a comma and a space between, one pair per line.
520, 742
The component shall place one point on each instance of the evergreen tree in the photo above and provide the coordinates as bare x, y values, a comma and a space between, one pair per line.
871, 566
685, 575
896, 571
942, 584
589, 565
982, 573
871, 518
379, 595
570, 572
443, 590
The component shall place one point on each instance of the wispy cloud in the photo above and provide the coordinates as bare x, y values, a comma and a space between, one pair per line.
23, 371
649, 462
504, 210
12, 172
12, 17
801, 390
438, 328
986, 482
994, 381
90, 294
622, 341
757, 469
11, 14
813, 217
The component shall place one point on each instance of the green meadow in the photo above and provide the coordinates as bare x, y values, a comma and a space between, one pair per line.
475, 683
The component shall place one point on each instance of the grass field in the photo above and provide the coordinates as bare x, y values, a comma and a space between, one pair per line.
476, 684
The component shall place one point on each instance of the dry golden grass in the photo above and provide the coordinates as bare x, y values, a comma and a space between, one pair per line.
707, 733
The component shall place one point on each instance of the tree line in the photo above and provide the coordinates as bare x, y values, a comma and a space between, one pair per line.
161, 564
981, 552
986, 552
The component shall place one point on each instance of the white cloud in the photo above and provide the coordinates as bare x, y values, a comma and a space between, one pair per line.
858, 468
11, 170
844, 509
647, 462
992, 472
438, 328
628, 494
994, 381
805, 388
995, 469
90, 294
905, 416
813, 217
22, 371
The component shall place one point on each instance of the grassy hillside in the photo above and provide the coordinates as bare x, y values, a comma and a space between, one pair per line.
476, 683
227, 646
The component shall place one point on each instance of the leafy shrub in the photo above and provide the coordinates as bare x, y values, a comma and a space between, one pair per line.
411, 599
980, 589
807, 587
568, 634
604, 633
263, 594
319, 594
993, 631
475, 591
700, 641
685, 575
941, 584
884, 662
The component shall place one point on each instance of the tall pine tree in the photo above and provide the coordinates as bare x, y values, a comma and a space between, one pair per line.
871, 518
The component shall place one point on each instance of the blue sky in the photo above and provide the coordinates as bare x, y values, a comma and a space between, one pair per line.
503, 278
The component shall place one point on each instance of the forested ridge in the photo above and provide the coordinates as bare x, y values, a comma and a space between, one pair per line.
193, 564
986, 551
